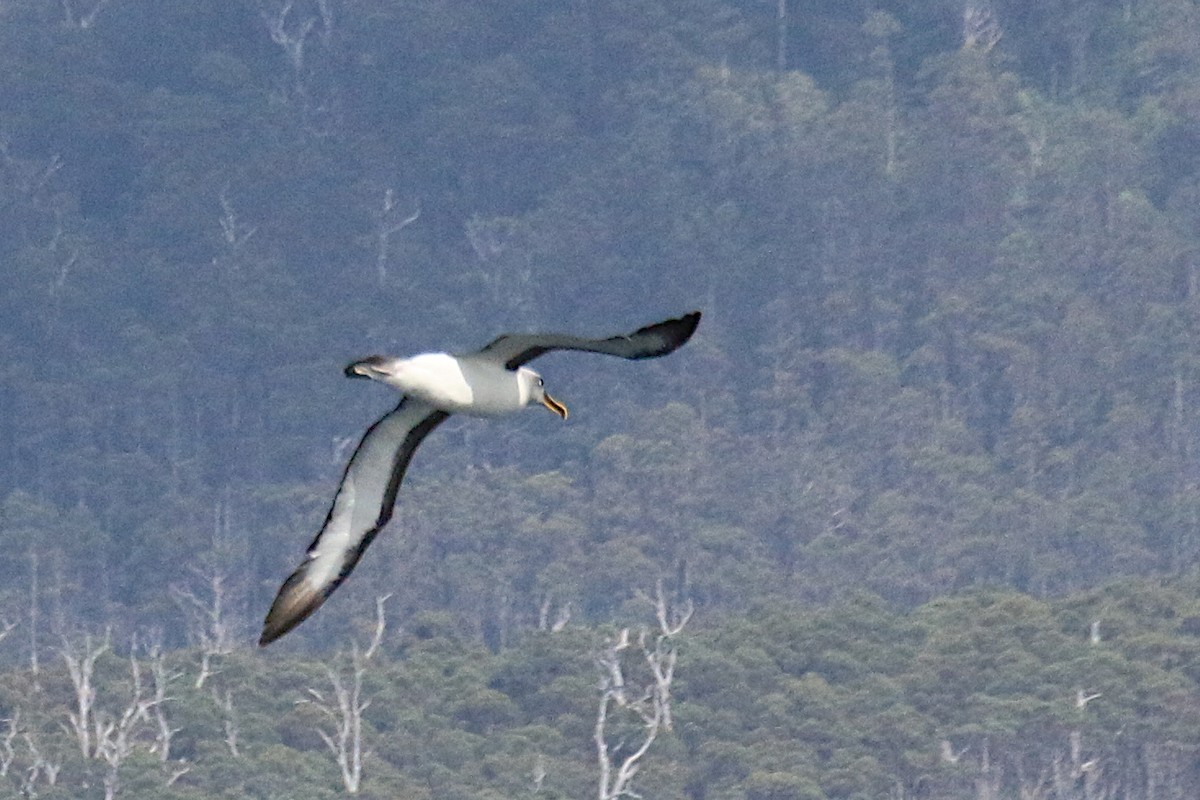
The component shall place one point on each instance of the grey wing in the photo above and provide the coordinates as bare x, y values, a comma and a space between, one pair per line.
362, 506
515, 349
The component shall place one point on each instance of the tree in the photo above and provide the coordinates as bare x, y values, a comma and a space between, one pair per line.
345, 708
651, 702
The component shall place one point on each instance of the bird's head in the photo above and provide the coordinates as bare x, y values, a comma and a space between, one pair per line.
378, 368
533, 390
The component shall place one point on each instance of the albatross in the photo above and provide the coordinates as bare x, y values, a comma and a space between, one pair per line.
490, 382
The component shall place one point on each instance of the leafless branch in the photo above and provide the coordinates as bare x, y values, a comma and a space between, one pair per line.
40, 765
231, 725
292, 41
87, 19
233, 232
178, 772
8, 750
6, 628
346, 706
389, 220
163, 678
114, 735
208, 624
980, 28
651, 704
81, 666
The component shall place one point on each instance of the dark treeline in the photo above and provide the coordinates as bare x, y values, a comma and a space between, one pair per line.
949, 275
947, 252
989, 695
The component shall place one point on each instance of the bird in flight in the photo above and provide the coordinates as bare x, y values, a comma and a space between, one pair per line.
489, 382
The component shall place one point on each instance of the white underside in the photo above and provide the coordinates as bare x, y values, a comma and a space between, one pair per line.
357, 504
436, 379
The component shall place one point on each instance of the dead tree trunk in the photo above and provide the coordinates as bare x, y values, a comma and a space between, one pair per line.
231, 726
346, 707
389, 220
39, 766
8, 750
208, 624
650, 703
114, 735
163, 677
80, 666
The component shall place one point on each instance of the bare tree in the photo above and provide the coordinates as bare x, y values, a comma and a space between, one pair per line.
1077, 777
781, 35
539, 773
8, 750
346, 706
560, 619
34, 615
182, 768
225, 701
115, 734
325, 7
208, 624
234, 232
163, 677
507, 273
78, 18
39, 766
389, 220
80, 666
980, 28
6, 628
291, 37
650, 703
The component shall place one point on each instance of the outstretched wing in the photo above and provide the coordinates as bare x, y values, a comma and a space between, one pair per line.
362, 506
515, 349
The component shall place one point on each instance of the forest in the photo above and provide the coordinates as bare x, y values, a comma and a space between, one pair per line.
914, 516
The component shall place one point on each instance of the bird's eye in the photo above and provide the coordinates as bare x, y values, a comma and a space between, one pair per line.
541, 382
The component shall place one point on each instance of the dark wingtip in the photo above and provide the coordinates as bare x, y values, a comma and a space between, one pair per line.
690, 322
295, 603
675, 333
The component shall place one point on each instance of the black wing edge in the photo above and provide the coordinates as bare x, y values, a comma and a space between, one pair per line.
673, 334
296, 600
650, 341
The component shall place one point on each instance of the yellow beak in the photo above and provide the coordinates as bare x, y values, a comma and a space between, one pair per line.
555, 406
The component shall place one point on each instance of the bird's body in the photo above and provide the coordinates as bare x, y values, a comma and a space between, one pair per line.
490, 382
456, 384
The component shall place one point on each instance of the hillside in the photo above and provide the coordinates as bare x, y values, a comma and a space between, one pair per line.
947, 258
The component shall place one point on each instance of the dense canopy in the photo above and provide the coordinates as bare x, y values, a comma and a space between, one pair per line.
938, 427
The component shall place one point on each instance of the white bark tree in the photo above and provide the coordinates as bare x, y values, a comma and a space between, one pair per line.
115, 734
82, 18
225, 701
560, 619
234, 232
345, 707
390, 219
8, 748
41, 765
163, 677
208, 622
6, 628
34, 614
81, 665
980, 28
649, 702
291, 31
291, 36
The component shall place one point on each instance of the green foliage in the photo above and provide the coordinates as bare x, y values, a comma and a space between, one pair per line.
849, 701
943, 397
